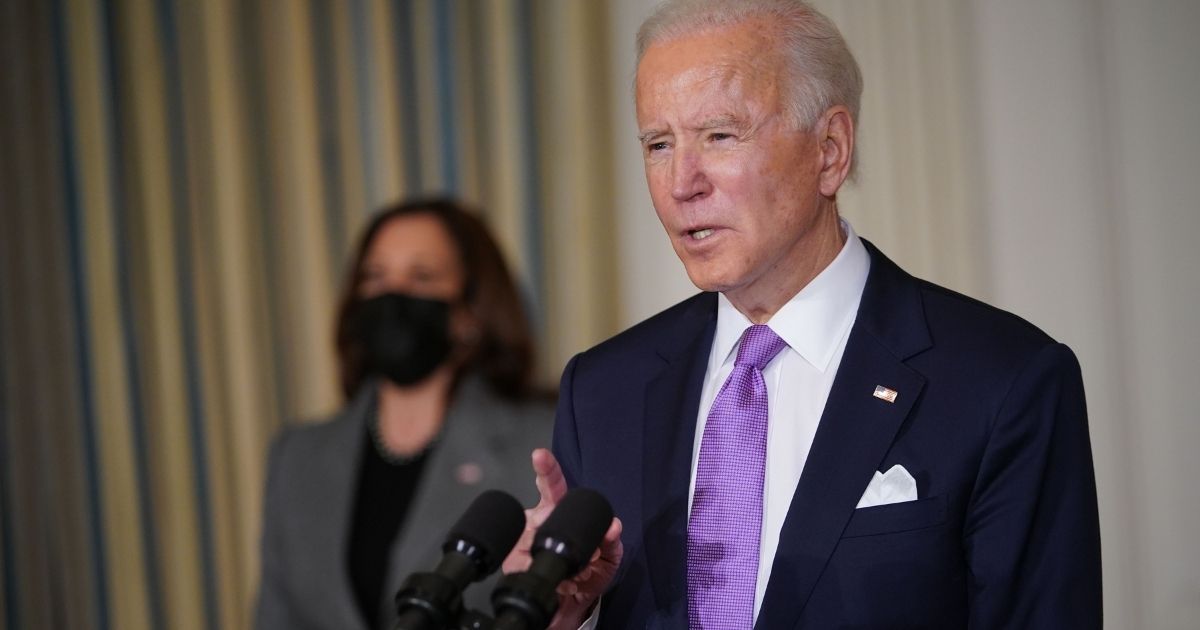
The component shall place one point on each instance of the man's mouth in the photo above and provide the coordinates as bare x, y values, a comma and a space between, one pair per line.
700, 234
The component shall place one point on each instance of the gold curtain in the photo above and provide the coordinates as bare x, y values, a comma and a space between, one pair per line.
181, 182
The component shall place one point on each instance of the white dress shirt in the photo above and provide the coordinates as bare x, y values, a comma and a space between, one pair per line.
815, 323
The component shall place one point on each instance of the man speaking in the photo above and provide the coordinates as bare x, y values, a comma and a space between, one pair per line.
818, 439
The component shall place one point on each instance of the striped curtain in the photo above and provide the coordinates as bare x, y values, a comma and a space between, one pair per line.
180, 183
919, 196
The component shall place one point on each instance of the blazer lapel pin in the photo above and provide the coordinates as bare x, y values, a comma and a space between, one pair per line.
885, 393
468, 473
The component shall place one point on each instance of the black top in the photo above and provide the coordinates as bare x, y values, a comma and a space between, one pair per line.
385, 492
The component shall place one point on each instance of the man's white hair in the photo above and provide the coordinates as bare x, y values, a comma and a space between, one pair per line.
820, 70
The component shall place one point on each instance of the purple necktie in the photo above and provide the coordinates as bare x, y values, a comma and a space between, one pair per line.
726, 520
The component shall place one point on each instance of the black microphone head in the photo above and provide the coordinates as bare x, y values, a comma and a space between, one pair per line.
575, 528
487, 531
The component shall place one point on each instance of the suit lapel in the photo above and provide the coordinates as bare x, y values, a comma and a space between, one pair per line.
669, 429
333, 492
853, 437
441, 497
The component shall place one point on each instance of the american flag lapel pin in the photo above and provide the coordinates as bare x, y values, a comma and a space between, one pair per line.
885, 393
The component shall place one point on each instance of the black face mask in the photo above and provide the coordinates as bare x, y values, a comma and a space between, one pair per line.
404, 338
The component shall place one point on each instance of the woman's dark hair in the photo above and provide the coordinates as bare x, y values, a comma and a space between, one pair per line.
503, 352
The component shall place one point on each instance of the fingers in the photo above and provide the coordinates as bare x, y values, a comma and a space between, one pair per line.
519, 558
593, 579
567, 588
551, 485
611, 544
550, 482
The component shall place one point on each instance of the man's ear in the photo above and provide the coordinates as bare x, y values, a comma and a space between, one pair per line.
837, 149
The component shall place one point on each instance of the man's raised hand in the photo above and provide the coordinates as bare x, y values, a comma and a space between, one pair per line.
577, 595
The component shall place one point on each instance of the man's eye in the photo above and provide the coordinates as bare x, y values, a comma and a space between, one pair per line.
718, 136
656, 146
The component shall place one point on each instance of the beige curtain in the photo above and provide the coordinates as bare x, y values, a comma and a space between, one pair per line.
181, 183
918, 193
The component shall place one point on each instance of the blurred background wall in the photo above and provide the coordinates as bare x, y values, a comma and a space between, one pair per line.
180, 183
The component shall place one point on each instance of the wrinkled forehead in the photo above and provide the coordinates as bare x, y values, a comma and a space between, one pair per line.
735, 60
682, 86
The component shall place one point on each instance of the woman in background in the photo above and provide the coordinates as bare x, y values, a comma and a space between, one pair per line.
435, 360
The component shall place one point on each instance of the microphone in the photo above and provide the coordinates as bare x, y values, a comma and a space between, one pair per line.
562, 547
474, 549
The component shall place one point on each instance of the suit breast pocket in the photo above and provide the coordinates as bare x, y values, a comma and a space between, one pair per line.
897, 517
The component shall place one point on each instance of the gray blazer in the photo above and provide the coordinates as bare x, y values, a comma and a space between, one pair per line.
311, 480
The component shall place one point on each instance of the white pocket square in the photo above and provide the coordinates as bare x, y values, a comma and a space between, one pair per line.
894, 486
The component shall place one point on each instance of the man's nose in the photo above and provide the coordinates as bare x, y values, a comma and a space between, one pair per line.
688, 178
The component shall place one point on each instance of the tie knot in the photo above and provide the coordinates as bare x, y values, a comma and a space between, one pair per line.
760, 344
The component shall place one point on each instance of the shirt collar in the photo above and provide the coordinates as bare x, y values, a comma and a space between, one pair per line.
816, 319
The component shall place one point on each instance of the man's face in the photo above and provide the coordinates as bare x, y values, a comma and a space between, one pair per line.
733, 182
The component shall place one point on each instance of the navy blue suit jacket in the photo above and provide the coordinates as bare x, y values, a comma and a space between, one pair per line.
990, 420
